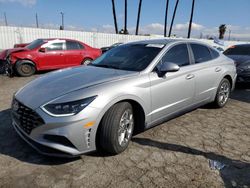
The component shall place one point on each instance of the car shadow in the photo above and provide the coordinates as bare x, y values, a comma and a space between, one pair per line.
13, 146
234, 174
241, 92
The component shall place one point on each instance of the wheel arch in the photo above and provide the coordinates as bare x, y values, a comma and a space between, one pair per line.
28, 61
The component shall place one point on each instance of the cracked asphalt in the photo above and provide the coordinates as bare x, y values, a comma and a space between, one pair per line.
173, 154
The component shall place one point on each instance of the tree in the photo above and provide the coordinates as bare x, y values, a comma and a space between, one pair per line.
222, 30
138, 18
166, 19
114, 16
173, 17
191, 20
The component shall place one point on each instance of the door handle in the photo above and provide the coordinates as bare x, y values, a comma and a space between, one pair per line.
217, 69
189, 76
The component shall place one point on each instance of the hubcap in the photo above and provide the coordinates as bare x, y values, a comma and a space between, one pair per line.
86, 62
26, 69
125, 127
224, 93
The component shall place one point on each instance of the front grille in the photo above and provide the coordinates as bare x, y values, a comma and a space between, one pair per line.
26, 118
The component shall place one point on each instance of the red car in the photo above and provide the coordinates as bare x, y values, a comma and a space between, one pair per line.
21, 45
49, 54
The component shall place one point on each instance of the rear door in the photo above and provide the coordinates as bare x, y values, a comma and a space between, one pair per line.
74, 53
207, 70
174, 91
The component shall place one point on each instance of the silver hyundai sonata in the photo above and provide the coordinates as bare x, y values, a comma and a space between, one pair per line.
128, 89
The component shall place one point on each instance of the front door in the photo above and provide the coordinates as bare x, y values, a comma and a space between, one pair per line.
174, 91
53, 57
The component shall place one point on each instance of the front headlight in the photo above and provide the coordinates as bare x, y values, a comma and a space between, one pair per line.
67, 108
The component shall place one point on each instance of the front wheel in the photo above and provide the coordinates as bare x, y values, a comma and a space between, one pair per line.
117, 128
223, 93
25, 68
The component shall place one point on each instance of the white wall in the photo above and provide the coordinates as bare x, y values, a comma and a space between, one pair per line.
12, 35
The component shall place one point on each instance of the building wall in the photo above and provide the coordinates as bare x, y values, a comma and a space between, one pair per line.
12, 35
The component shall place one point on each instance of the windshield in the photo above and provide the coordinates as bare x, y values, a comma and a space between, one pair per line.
35, 44
131, 57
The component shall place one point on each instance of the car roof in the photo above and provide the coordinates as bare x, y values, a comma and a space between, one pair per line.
166, 41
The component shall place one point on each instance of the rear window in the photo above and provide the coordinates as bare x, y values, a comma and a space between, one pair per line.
72, 45
238, 50
201, 53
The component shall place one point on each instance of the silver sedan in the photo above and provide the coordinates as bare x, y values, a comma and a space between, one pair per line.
128, 89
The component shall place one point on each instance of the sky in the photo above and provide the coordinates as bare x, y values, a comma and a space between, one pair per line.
96, 15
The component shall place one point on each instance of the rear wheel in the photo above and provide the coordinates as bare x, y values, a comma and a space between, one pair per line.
223, 93
25, 68
117, 128
86, 61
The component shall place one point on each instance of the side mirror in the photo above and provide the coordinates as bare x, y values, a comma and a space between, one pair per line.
165, 67
43, 50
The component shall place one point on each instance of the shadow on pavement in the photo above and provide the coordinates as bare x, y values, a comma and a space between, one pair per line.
13, 146
241, 93
235, 174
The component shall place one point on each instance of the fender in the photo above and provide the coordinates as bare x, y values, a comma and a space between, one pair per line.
124, 98
28, 61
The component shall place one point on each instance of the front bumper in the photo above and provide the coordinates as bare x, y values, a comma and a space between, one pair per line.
8, 68
60, 137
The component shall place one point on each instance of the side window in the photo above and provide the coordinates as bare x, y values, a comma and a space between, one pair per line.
55, 47
201, 53
81, 46
72, 45
214, 53
177, 54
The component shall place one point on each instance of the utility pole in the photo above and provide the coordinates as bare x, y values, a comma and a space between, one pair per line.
191, 20
5, 19
125, 18
114, 16
62, 26
166, 19
138, 18
37, 25
172, 22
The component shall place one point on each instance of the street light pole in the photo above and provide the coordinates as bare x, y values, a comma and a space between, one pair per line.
37, 25
62, 28
5, 19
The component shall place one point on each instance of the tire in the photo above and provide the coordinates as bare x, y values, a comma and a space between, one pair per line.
115, 134
86, 61
223, 93
25, 68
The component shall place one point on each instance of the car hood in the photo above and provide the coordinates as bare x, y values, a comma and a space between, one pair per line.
5, 53
58, 83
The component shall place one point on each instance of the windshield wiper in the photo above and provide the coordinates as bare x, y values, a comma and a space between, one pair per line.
104, 66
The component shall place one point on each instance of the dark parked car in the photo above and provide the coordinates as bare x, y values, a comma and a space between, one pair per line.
48, 54
104, 49
241, 55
